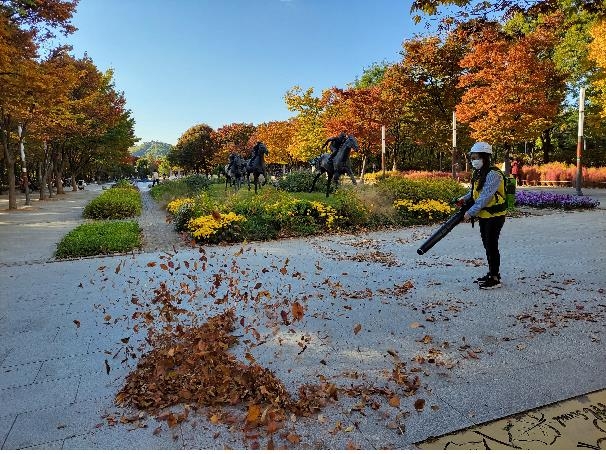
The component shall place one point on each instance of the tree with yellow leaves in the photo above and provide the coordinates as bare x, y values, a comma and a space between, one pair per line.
597, 53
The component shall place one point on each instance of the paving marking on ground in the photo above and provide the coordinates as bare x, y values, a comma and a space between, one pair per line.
577, 423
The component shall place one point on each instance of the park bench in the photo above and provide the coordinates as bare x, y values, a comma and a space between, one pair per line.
547, 182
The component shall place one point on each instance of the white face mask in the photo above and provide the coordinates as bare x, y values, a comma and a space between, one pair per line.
477, 163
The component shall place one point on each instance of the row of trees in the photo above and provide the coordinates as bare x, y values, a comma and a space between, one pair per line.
63, 110
512, 82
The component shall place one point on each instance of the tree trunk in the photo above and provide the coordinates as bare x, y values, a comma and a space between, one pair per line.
41, 180
58, 168
547, 145
49, 184
10, 169
507, 158
363, 170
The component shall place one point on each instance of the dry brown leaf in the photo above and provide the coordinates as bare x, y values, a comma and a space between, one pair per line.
394, 401
293, 438
419, 404
297, 311
254, 411
357, 328
215, 419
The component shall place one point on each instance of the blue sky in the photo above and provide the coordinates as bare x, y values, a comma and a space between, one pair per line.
185, 62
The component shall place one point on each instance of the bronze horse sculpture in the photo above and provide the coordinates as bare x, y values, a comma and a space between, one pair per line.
256, 165
337, 167
235, 170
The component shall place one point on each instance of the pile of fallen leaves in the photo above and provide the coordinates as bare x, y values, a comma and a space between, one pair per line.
192, 365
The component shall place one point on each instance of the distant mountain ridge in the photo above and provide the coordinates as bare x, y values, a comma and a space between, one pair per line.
154, 148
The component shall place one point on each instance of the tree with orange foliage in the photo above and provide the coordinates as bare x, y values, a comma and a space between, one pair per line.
232, 138
357, 111
278, 137
419, 94
23, 24
512, 89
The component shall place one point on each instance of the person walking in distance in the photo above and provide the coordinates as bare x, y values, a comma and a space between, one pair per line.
515, 171
490, 207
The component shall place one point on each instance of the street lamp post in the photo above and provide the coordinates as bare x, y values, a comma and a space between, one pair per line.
580, 140
454, 144
383, 149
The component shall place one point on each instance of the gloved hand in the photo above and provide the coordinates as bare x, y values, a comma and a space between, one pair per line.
458, 202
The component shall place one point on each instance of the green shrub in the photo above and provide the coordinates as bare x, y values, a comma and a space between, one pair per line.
300, 181
183, 187
183, 215
115, 203
169, 190
197, 183
417, 189
260, 227
350, 208
100, 237
123, 184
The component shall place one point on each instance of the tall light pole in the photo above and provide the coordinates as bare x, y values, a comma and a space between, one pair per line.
580, 140
23, 165
454, 144
383, 149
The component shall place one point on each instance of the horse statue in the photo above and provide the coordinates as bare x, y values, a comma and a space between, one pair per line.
337, 167
256, 165
235, 170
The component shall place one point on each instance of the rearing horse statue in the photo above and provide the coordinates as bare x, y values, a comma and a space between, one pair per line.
256, 165
338, 167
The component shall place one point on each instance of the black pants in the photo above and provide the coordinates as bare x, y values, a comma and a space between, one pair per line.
490, 229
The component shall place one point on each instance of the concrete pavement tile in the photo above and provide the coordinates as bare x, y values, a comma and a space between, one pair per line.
18, 341
100, 386
126, 436
90, 363
199, 433
38, 395
484, 398
561, 379
6, 423
488, 362
4, 352
51, 446
12, 376
551, 346
52, 424
396, 428
45, 351
314, 432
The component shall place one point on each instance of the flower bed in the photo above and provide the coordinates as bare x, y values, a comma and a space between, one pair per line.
544, 199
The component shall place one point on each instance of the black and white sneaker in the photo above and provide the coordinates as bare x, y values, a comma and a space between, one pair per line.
482, 279
490, 283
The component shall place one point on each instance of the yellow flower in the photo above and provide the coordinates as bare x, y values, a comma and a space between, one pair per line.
204, 227
174, 206
425, 208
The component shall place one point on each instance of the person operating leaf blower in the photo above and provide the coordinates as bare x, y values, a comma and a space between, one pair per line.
490, 207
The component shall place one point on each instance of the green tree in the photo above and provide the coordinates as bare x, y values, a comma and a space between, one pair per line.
195, 149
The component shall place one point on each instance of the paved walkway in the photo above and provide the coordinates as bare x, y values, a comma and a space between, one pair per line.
479, 355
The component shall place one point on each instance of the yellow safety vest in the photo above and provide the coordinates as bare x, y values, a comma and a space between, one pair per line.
497, 206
